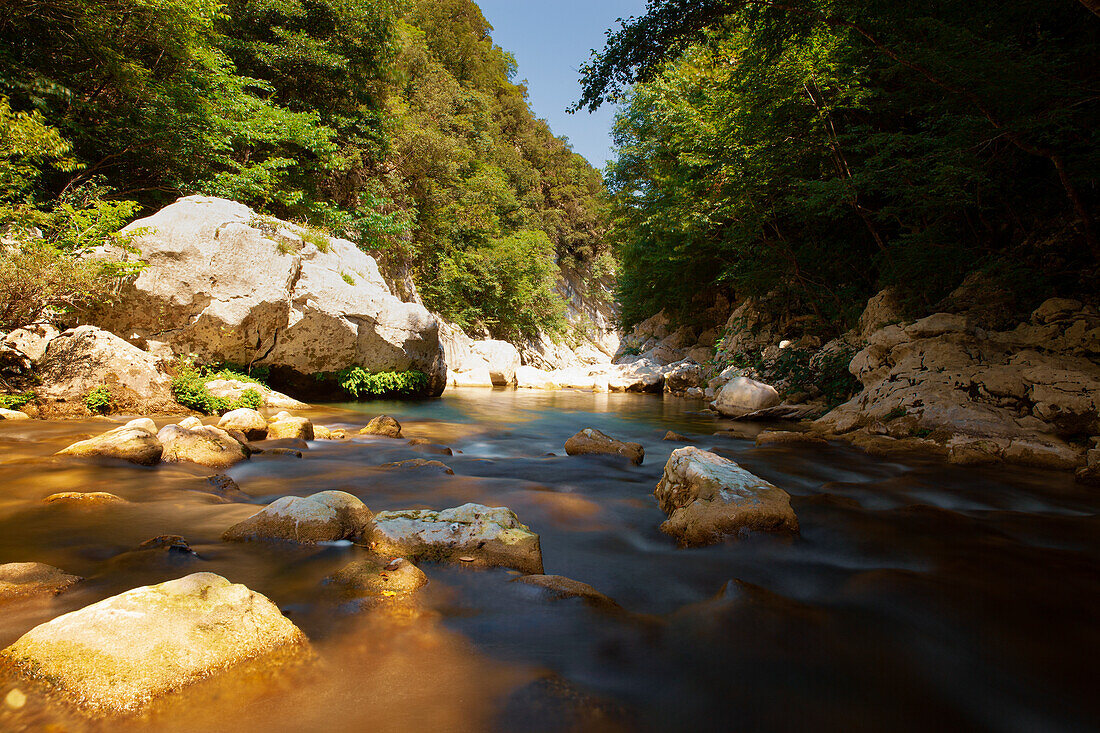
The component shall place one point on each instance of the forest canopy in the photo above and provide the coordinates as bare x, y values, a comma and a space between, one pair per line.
810, 152
396, 123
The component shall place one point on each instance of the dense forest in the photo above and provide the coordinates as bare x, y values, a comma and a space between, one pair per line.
807, 153
395, 123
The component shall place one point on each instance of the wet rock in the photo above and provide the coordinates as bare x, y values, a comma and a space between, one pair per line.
249, 422
789, 437
89, 498
23, 580
286, 452
173, 544
6, 414
670, 435
226, 488
190, 423
591, 441
286, 426
552, 704
379, 578
559, 586
205, 445
383, 425
327, 516
420, 463
708, 497
426, 446
741, 396
320, 432
133, 444
472, 534
122, 653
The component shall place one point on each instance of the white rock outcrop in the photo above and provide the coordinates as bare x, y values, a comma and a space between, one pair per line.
227, 285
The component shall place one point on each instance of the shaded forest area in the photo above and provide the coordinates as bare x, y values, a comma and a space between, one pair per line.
808, 153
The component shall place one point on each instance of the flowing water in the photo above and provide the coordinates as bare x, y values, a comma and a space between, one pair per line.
918, 596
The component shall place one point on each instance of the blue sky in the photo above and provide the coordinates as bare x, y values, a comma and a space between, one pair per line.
551, 40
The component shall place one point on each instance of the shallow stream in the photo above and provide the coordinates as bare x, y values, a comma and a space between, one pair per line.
918, 596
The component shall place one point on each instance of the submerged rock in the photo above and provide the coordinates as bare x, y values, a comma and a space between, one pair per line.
84, 498
419, 463
22, 580
559, 586
128, 443
383, 425
249, 422
205, 445
472, 534
379, 578
327, 516
670, 435
708, 497
789, 437
591, 441
120, 654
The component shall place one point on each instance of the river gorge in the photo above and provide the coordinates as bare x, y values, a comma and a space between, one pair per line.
917, 594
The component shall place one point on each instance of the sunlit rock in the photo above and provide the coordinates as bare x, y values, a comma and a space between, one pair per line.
707, 497
22, 580
83, 498
741, 396
123, 652
471, 534
591, 441
133, 444
285, 426
383, 425
249, 422
379, 578
327, 516
205, 445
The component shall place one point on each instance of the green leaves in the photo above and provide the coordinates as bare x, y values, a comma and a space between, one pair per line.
360, 383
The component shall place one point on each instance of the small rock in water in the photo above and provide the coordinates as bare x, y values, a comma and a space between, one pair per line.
383, 425
22, 580
128, 443
592, 441
675, 436
286, 452
419, 463
323, 517
249, 422
368, 577
89, 498
287, 426
205, 445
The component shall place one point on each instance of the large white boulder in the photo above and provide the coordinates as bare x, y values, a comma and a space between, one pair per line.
227, 285
122, 653
742, 395
502, 359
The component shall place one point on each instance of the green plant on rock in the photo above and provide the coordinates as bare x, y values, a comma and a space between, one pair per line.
190, 390
360, 383
98, 401
348, 279
15, 401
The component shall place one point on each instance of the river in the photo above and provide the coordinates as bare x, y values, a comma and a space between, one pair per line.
918, 596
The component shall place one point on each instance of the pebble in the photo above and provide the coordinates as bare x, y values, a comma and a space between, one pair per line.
15, 699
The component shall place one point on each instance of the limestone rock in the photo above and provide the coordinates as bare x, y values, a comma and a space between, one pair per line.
249, 422
190, 423
529, 377
32, 340
205, 445
591, 441
379, 578
788, 437
84, 358
285, 427
559, 586
230, 286
6, 414
683, 375
708, 497
420, 463
741, 396
133, 444
882, 309
320, 432
471, 534
232, 389
120, 654
502, 360
22, 580
327, 516
383, 425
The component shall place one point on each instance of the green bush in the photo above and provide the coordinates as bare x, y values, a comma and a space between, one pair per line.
360, 383
15, 401
98, 400
189, 389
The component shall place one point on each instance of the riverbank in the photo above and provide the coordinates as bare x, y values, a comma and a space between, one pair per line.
898, 565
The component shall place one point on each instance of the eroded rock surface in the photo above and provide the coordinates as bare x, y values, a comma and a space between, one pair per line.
123, 652
708, 497
327, 516
471, 534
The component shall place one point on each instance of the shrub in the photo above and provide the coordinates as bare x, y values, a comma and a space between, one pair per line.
360, 383
98, 401
348, 279
189, 389
15, 401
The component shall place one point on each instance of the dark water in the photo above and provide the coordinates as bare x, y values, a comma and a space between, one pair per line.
918, 596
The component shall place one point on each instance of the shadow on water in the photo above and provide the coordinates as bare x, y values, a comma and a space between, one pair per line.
918, 596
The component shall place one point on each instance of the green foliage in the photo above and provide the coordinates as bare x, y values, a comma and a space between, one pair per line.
347, 277
15, 401
189, 388
817, 151
360, 383
98, 400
